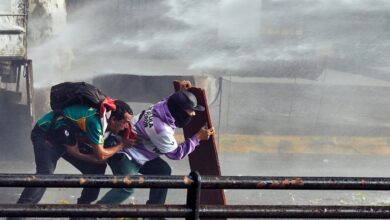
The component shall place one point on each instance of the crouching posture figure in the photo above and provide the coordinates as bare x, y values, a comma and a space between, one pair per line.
77, 124
155, 129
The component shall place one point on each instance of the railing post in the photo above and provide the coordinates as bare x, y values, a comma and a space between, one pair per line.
193, 196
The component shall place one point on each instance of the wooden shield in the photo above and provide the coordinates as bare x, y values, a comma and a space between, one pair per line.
205, 158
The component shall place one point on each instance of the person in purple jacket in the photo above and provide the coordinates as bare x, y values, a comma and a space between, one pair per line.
155, 129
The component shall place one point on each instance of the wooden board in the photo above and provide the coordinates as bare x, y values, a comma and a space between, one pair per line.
205, 158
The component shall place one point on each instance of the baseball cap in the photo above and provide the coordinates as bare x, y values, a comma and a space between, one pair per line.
187, 100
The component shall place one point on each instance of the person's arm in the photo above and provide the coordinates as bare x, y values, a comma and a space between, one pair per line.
165, 142
102, 153
96, 140
183, 149
189, 145
74, 151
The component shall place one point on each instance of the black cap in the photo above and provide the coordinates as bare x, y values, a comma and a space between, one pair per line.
186, 100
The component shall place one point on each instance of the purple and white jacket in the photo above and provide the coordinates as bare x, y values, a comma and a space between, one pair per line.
156, 128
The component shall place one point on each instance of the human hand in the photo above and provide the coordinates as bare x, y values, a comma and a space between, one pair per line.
184, 84
204, 133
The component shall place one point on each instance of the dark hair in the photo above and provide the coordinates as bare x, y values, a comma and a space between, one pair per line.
121, 108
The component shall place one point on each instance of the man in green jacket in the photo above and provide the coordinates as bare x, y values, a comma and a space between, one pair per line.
78, 124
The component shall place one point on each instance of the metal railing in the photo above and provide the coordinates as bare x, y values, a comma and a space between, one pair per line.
194, 183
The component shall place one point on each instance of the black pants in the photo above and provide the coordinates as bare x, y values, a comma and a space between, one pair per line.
47, 155
156, 167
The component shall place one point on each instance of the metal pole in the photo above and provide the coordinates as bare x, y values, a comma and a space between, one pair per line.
270, 211
296, 183
193, 196
102, 181
82, 210
205, 211
28, 68
12, 15
11, 32
208, 182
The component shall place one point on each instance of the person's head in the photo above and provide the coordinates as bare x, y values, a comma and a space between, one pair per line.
183, 106
120, 118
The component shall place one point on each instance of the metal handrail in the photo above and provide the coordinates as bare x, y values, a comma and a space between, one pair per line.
208, 182
194, 183
99, 181
12, 15
205, 211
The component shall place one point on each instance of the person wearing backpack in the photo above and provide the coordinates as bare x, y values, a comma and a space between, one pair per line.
78, 125
155, 128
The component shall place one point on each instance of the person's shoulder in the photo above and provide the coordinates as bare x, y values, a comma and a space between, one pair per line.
47, 115
46, 118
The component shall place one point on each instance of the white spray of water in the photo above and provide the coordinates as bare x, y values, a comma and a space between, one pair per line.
178, 37
50, 54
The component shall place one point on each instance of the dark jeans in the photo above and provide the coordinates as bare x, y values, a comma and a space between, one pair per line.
121, 165
46, 156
